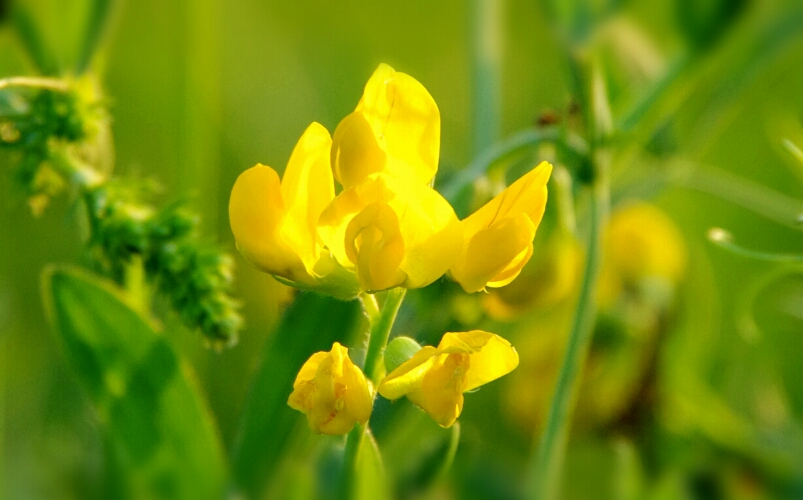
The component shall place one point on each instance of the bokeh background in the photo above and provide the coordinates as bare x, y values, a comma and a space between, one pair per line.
703, 398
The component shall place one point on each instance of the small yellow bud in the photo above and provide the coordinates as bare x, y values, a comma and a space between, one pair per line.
435, 379
498, 238
332, 392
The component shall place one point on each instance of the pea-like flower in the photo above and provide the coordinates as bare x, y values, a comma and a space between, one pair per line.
332, 392
498, 238
435, 379
275, 223
395, 129
392, 231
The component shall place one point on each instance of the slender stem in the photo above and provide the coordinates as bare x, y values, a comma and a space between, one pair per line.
487, 48
34, 82
545, 473
381, 324
380, 331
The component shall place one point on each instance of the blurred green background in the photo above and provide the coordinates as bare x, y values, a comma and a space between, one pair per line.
201, 90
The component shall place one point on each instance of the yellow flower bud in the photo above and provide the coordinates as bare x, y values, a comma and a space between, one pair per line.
498, 238
435, 379
275, 223
391, 231
395, 129
332, 392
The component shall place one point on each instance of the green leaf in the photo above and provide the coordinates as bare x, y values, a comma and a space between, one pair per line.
159, 427
372, 482
100, 13
312, 323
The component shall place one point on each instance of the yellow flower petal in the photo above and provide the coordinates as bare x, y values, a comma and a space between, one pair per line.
441, 392
256, 214
409, 376
495, 254
435, 379
401, 111
497, 238
395, 129
374, 244
307, 188
491, 356
355, 152
429, 230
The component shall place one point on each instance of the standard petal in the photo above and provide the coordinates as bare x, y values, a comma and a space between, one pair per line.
256, 214
495, 253
409, 376
490, 355
406, 122
355, 151
307, 188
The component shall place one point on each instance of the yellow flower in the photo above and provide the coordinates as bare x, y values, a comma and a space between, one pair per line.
435, 379
498, 238
395, 129
275, 223
640, 242
392, 231
332, 392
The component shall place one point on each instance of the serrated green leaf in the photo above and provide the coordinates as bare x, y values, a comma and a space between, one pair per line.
312, 323
159, 427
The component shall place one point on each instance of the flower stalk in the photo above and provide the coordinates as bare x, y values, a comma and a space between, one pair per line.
381, 324
546, 470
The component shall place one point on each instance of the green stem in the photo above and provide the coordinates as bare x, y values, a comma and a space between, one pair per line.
381, 324
545, 473
380, 331
487, 39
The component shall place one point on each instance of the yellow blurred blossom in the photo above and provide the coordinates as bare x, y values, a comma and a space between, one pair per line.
640, 242
275, 223
392, 231
498, 238
435, 379
332, 392
395, 129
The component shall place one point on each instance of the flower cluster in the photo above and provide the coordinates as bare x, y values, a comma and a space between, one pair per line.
334, 393
387, 227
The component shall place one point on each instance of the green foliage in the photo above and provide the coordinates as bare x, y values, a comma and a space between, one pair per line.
372, 481
196, 279
145, 396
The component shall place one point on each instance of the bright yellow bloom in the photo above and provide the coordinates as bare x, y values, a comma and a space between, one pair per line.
498, 238
435, 379
332, 392
392, 231
395, 129
275, 223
